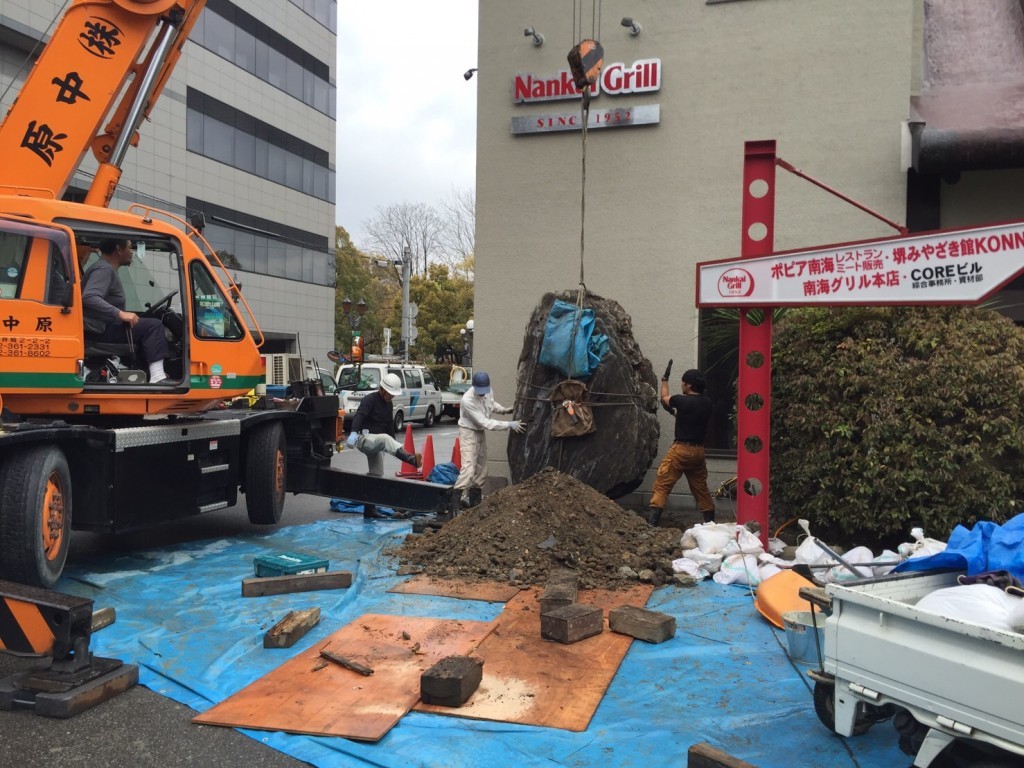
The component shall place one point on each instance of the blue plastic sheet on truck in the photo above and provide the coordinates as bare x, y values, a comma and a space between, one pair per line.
725, 678
985, 547
570, 345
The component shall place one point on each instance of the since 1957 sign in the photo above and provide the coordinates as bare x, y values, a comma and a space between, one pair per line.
952, 267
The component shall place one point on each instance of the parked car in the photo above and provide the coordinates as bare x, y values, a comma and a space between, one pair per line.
451, 399
420, 399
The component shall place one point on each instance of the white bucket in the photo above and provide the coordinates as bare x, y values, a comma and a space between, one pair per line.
799, 627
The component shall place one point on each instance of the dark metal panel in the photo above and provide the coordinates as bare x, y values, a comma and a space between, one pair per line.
383, 491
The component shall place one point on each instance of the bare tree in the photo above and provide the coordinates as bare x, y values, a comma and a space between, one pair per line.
458, 229
414, 224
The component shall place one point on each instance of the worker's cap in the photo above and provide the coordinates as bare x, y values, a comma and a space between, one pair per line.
391, 384
481, 383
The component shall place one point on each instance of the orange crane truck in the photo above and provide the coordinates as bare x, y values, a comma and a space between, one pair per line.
86, 441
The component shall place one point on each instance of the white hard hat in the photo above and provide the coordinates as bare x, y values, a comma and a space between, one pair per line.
391, 384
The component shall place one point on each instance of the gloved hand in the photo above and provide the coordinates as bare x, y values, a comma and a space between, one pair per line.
352, 437
668, 371
517, 426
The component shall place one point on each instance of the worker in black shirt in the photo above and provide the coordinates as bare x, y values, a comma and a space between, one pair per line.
692, 410
373, 433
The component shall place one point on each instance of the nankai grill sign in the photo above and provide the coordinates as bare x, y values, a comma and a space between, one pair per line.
644, 76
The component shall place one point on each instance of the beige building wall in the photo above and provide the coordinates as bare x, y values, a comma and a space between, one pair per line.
830, 82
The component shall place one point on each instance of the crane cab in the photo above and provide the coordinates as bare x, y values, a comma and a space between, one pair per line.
55, 360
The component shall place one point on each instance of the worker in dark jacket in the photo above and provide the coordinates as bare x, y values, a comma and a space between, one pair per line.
692, 410
373, 433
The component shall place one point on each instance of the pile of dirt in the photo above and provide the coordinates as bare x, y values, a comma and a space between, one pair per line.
549, 521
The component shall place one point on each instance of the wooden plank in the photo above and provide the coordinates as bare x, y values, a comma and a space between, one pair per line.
104, 617
533, 681
299, 582
292, 628
703, 755
487, 591
308, 695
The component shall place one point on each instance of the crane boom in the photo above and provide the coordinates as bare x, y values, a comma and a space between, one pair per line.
75, 84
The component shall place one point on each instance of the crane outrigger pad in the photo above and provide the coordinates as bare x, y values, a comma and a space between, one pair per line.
40, 621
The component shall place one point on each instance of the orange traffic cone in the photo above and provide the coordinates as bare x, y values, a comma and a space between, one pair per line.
408, 470
457, 455
428, 458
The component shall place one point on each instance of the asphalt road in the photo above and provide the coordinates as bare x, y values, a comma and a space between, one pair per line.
140, 728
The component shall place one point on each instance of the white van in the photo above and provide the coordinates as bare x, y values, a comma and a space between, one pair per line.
420, 399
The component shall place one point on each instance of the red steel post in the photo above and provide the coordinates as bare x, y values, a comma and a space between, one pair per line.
755, 340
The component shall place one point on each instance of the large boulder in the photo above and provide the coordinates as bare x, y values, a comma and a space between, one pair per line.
622, 394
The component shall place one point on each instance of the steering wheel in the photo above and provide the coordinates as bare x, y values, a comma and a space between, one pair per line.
162, 305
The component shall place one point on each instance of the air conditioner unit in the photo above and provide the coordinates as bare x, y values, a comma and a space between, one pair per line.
283, 369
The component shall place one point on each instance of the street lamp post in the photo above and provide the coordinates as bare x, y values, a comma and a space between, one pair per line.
406, 312
467, 342
354, 320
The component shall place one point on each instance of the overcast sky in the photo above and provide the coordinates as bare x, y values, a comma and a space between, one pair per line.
406, 115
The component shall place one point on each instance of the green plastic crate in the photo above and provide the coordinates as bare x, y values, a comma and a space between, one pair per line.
289, 564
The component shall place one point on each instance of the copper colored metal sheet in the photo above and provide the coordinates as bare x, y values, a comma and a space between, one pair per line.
533, 681
486, 591
310, 695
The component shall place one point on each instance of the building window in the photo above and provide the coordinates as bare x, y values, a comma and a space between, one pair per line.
324, 11
718, 355
252, 244
222, 133
234, 35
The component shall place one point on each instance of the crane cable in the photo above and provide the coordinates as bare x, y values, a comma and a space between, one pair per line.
595, 31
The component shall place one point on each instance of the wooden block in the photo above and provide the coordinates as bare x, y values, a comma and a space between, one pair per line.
562, 589
703, 755
571, 623
291, 628
451, 681
650, 626
104, 617
300, 582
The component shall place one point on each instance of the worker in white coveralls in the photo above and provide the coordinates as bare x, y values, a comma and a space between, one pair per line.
373, 433
475, 416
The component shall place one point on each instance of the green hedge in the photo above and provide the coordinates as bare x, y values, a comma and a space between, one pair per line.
886, 417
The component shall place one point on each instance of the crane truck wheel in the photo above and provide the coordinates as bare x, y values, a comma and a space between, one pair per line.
35, 516
266, 466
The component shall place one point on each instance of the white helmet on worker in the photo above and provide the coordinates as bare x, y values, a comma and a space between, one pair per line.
391, 384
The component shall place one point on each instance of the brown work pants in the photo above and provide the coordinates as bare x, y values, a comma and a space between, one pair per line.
680, 460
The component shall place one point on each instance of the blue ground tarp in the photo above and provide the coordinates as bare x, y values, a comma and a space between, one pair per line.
725, 678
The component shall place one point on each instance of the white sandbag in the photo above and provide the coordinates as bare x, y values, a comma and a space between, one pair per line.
749, 543
713, 537
767, 570
1016, 617
975, 603
709, 562
776, 546
854, 557
765, 559
690, 568
689, 541
891, 560
921, 546
739, 569
810, 553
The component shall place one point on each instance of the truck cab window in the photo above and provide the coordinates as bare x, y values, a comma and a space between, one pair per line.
14, 250
213, 315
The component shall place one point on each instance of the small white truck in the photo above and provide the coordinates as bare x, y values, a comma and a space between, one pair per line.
953, 688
